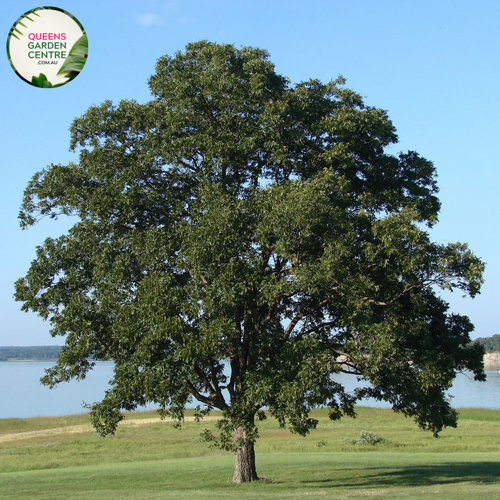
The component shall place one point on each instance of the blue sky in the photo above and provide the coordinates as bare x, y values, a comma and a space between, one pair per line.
433, 65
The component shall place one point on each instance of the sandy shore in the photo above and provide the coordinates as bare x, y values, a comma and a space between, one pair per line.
492, 361
492, 357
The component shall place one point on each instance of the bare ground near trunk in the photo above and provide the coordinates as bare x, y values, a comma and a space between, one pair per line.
81, 429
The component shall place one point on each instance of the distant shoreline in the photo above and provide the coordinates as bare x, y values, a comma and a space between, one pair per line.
49, 354
28, 360
29, 353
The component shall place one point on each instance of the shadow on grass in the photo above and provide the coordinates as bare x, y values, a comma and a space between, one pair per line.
418, 475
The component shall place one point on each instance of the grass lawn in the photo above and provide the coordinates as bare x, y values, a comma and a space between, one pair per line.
155, 461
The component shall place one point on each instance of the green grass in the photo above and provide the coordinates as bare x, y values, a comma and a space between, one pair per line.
156, 461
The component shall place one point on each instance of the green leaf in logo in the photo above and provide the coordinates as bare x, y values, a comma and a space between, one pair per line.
76, 59
41, 81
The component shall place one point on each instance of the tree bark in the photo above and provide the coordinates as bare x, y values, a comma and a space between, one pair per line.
244, 463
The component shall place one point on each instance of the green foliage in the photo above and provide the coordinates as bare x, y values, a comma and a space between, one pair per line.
238, 240
41, 81
14, 31
490, 344
76, 59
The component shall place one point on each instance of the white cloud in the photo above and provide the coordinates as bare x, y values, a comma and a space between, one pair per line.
147, 19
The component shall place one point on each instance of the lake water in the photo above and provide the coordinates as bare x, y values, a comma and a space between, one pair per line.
22, 395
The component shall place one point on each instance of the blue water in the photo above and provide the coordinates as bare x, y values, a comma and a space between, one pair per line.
22, 395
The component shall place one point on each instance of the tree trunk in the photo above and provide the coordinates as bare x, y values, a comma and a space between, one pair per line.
244, 463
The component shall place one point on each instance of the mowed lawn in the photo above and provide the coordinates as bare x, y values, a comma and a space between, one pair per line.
57, 458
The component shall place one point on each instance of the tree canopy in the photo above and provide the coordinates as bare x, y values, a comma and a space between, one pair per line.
238, 241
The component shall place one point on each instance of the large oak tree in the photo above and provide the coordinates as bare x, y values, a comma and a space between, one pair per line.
238, 241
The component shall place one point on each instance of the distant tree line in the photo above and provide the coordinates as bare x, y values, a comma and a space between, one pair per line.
41, 353
32, 353
490, 344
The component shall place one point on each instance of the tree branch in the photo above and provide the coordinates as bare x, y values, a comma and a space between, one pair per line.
406, 290
214, 394
203, 399
301, 315
202, 278
216, 385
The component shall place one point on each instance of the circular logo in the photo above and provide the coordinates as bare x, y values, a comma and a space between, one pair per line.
47, 47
